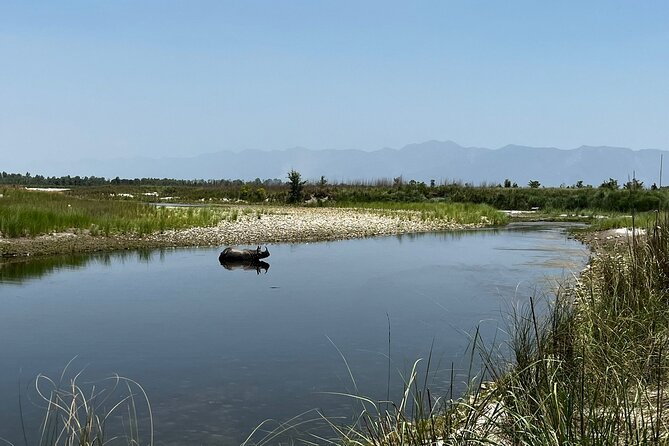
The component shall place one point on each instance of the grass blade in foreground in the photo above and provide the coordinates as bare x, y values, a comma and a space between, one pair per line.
114, 411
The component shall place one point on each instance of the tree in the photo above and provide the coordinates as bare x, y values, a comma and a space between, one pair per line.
260, 194
633, 185
322, 190
534, 184
507, 183
610, 184
296, 186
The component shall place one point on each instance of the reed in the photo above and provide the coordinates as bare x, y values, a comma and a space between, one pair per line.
24, 213
28, 214
462, 213
588, 369
618, 220
113, 411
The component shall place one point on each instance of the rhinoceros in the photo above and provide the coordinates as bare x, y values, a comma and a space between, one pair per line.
242, 255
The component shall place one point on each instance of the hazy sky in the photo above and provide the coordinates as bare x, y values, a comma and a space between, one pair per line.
116, 78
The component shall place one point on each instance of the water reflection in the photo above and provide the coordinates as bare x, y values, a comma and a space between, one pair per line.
18, 272
21, 271
556, 228
215, 362
249, 265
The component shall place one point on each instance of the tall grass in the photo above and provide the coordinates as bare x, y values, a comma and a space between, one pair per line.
616, 220
28, 213
591, 369
114, 411
462, 213
24, 213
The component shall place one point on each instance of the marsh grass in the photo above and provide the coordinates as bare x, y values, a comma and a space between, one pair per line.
618, 220
114, 411
24, 213
29, 214
588, 369
461, 213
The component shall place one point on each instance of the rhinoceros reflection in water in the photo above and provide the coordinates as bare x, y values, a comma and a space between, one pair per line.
254, 265
246, 259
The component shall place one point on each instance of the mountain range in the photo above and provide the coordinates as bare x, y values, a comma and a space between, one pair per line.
442, 161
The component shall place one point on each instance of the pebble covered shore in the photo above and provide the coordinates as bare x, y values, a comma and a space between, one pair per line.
271, 225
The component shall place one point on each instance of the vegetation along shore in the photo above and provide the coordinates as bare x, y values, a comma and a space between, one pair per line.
42, 223
85, 216
590, 370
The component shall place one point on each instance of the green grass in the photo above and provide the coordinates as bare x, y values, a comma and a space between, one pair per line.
595, 372
591, 369
598, 220
613, 221
113, 411
462, 213
564, 198
24, 213
28, 214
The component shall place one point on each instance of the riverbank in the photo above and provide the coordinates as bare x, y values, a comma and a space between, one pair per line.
250, 226
592, 368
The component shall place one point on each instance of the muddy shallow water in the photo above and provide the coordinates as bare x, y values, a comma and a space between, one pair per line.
220, 350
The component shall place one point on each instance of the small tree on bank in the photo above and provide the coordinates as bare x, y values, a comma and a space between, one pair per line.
633, 185
610, 184
296, 186
322, 190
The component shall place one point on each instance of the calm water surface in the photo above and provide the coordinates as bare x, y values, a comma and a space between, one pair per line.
218, 351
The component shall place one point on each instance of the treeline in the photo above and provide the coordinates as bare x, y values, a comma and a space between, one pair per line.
39, 180
608, 196
525, 198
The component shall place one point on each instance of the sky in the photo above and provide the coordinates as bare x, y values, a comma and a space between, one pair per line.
115, 79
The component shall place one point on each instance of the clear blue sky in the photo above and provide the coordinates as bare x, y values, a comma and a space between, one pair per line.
108, 79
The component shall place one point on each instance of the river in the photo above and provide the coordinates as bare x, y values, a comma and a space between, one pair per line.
218, 351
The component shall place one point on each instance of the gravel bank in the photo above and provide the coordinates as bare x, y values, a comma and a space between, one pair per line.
269, 225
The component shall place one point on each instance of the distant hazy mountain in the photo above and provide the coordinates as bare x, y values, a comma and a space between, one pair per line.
441, 161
